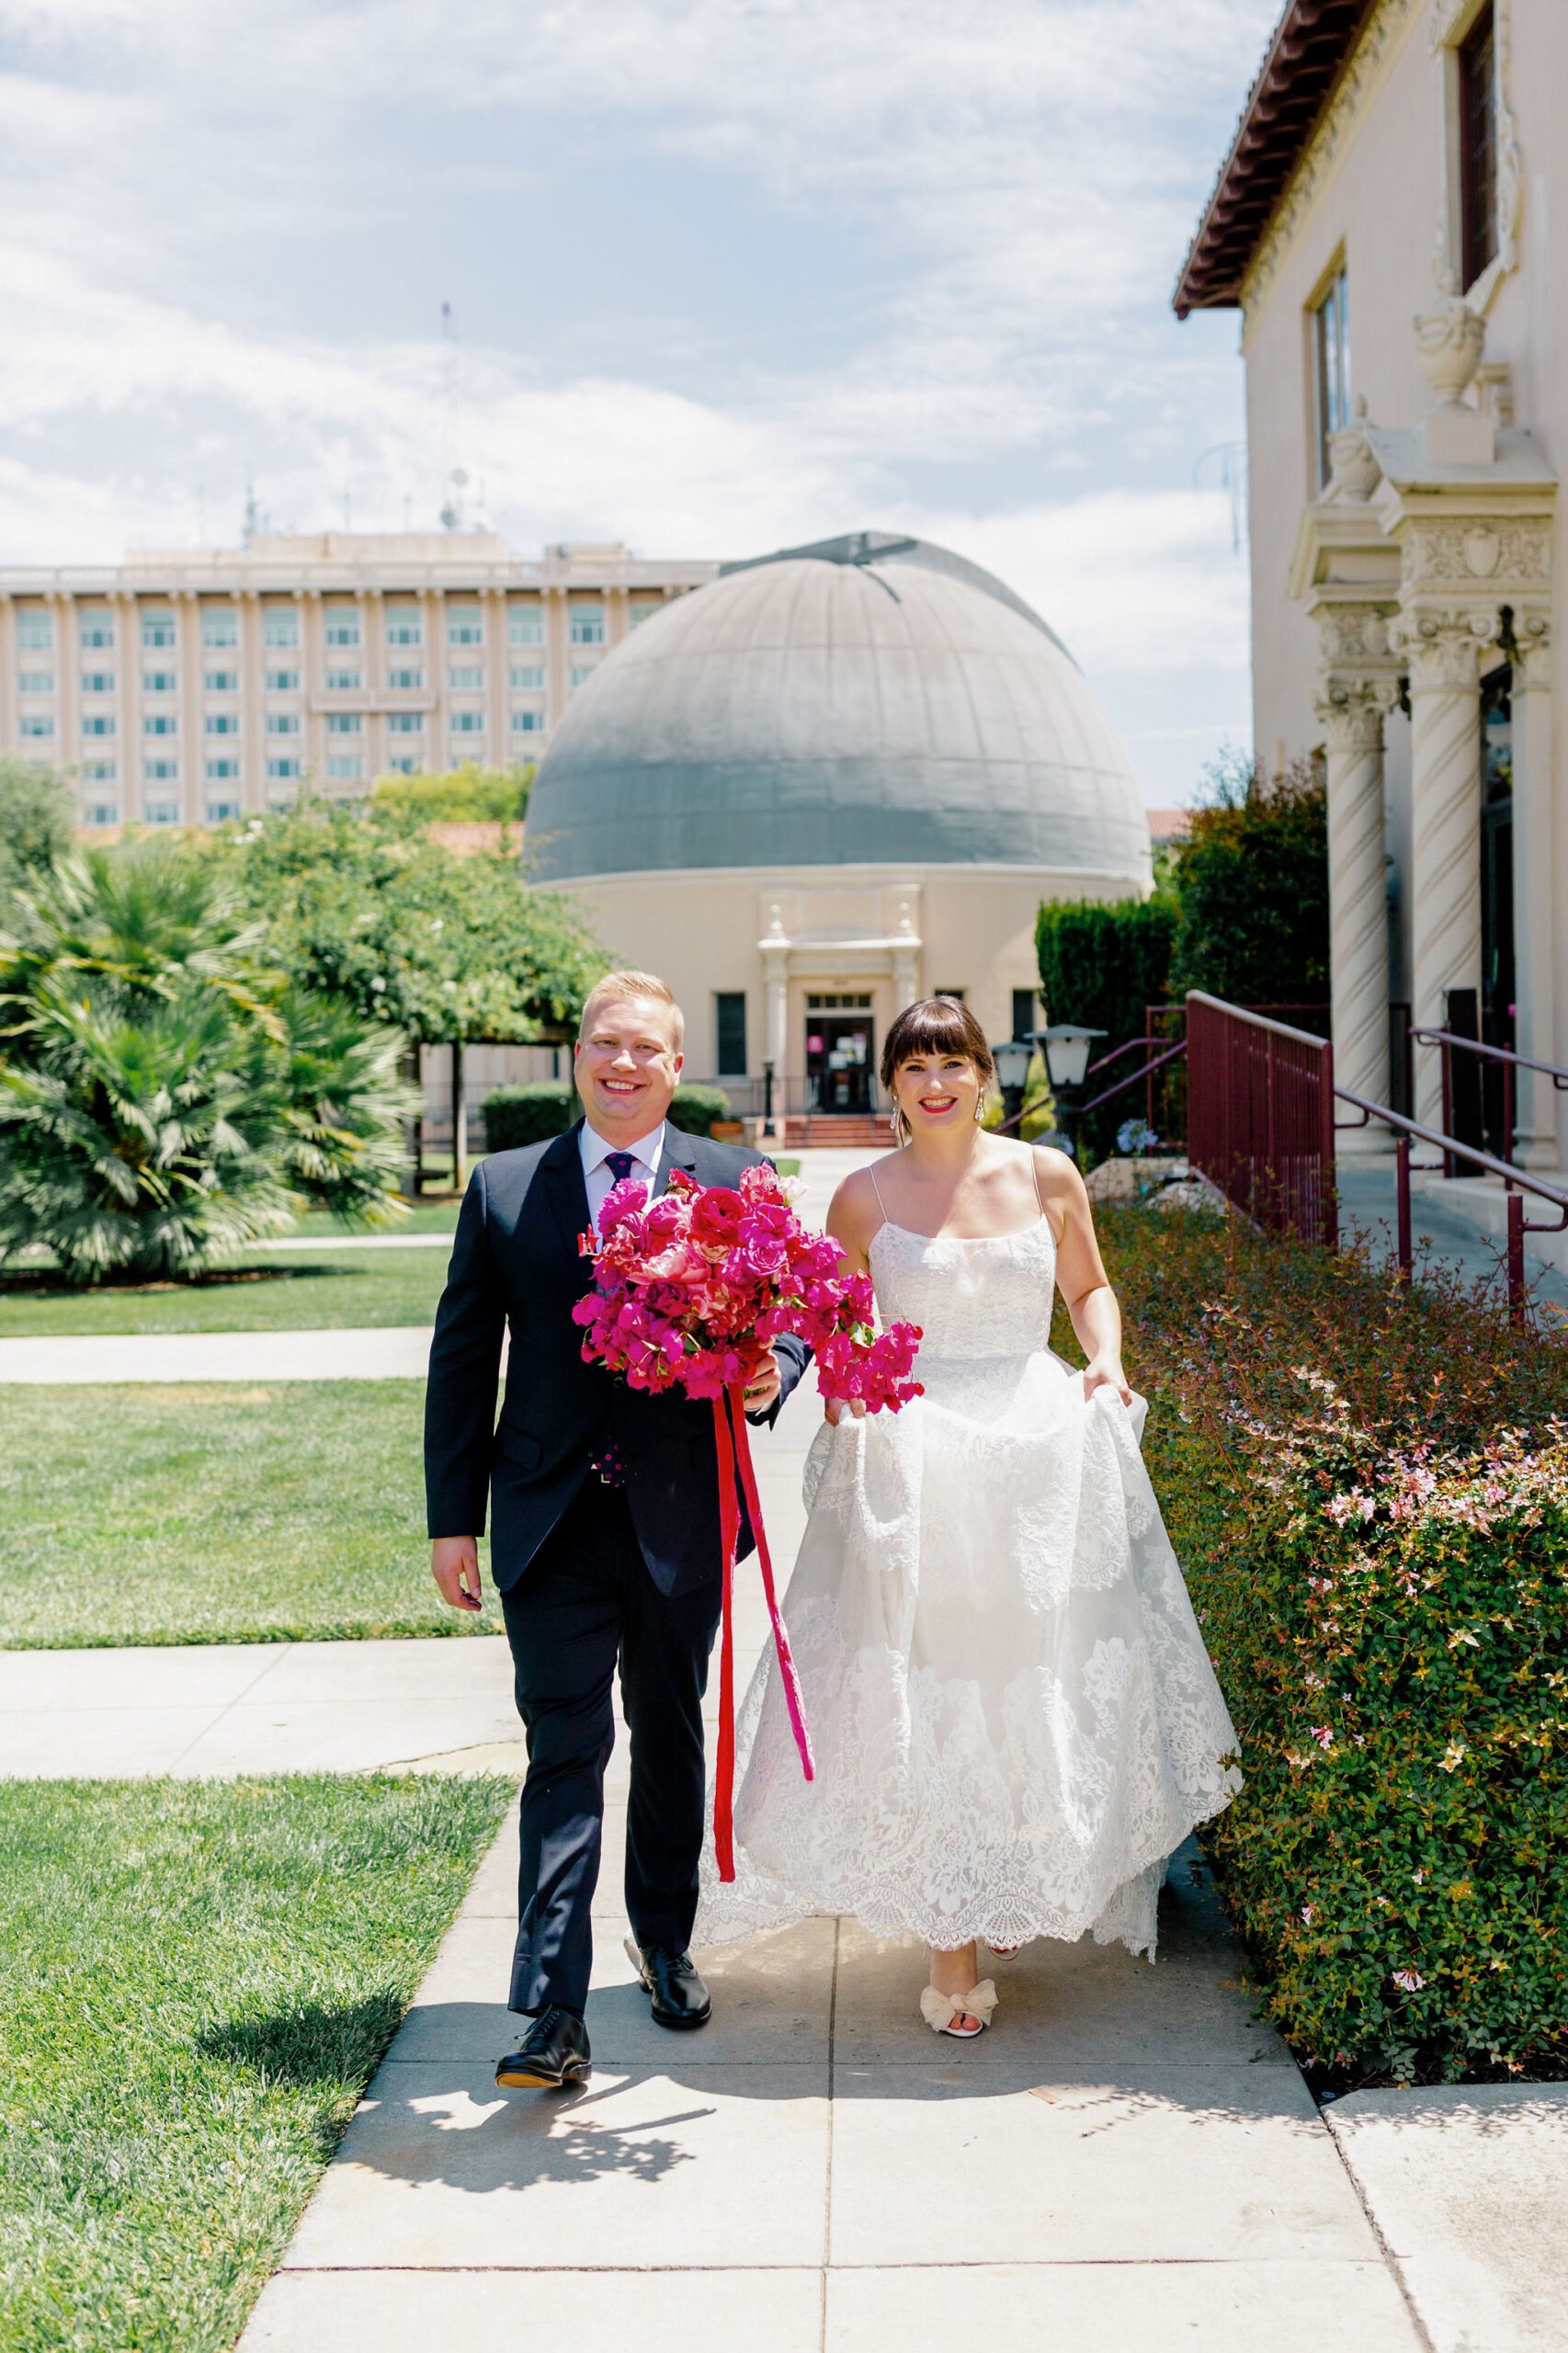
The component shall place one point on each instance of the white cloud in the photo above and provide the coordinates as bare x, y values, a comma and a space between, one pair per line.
1000, 198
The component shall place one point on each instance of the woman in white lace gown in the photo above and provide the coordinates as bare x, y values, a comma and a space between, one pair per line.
1014, 1716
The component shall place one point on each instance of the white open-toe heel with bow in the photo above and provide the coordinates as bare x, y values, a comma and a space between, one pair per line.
941, 2010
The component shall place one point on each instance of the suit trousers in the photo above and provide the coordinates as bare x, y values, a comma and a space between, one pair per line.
585, 1601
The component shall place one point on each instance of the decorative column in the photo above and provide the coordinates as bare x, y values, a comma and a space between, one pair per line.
1445, 650
774, 950
906, 945
1352, 713
1537, 1102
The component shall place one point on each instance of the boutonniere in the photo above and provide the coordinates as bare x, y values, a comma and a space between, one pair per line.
588, 1244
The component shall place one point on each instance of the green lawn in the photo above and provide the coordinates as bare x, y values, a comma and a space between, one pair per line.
196, 1981
217, 1513
268, 1291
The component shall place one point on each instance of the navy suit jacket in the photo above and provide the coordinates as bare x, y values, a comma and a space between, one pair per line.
515, 1260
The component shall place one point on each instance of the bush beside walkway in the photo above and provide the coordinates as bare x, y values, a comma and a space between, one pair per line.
1370, 1500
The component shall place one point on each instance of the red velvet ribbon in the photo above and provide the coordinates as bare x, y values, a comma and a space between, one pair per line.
734, 1455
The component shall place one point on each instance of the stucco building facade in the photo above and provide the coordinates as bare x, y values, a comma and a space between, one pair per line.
1385, 224
185, 688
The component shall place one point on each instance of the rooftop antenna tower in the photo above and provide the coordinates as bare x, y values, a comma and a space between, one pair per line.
454, 480
252, 522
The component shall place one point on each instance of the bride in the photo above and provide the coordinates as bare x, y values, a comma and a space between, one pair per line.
1013, 1717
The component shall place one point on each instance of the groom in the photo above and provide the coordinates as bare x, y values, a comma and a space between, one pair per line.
605, 1545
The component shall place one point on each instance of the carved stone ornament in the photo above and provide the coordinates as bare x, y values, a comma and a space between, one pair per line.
1438, 553
1449, 343
1445, 649
1356, 473
1353, 710
1350, 634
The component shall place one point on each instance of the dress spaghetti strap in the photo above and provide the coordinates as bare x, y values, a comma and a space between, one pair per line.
1034, 1171
878, 1190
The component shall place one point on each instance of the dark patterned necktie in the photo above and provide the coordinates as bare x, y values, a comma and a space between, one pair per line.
620, 1166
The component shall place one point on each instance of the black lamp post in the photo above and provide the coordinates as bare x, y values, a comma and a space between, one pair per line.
767, 1097
1067, 1045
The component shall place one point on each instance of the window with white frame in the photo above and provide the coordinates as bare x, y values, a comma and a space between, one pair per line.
220, 628
403, 764
36, 682
466, 723
405, 625
587, 625
35, 723
469, 681
159, 682
157, 631
525, 625
219, 769
222, 813
35, 632
344, 723
160, 771
405, 722
343, 625
275, 768
222, 722
282, 722
465, 625
159, 723
220, 682
342, 770
405, 681
102, 812
98, 722
526, 681
527, 723
281, 626
161, 812
1330, 323
95, 629
343, 682
99, 771
97, 682
1477, 94
282, 682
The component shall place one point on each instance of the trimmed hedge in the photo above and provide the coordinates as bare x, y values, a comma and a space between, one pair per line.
547, 1107
694, 1109
1369, 1492
519, 1115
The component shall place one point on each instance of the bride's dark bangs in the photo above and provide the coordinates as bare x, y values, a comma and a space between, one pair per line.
937, 1024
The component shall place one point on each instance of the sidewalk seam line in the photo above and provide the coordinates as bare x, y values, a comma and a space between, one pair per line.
1390, 2261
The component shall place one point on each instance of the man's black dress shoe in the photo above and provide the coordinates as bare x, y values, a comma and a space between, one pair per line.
678, 1996
554, 2051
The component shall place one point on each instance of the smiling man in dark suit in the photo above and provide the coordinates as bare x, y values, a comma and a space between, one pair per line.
605, 1542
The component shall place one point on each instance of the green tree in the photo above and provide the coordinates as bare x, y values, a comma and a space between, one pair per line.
362, 906
37, 814
1251, 885
464, 795
1104, 963
164, 1097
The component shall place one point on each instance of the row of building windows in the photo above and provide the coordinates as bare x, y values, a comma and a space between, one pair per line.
98, 726
405, 625
227, 682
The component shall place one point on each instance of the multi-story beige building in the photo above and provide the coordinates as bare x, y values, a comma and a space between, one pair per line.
1385, 223
185, 688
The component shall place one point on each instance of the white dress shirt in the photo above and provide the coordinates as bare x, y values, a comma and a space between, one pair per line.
645, 1153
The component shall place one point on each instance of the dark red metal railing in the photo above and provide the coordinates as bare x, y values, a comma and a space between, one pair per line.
1260, 1116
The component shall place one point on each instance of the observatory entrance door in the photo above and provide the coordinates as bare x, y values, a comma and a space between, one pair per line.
838, 1052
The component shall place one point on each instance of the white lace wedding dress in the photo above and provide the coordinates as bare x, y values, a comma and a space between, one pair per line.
1013, 1717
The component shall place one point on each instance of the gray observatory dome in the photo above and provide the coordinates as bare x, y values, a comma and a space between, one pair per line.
868, 700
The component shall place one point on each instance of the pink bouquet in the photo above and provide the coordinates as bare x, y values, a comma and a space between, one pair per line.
690, 1291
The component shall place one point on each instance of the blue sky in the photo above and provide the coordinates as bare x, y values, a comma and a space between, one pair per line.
726, 275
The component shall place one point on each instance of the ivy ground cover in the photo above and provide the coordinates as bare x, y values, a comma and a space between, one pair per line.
1368, 1486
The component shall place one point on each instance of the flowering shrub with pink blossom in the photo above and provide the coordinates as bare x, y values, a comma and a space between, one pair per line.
1368, 1486
691, 1290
